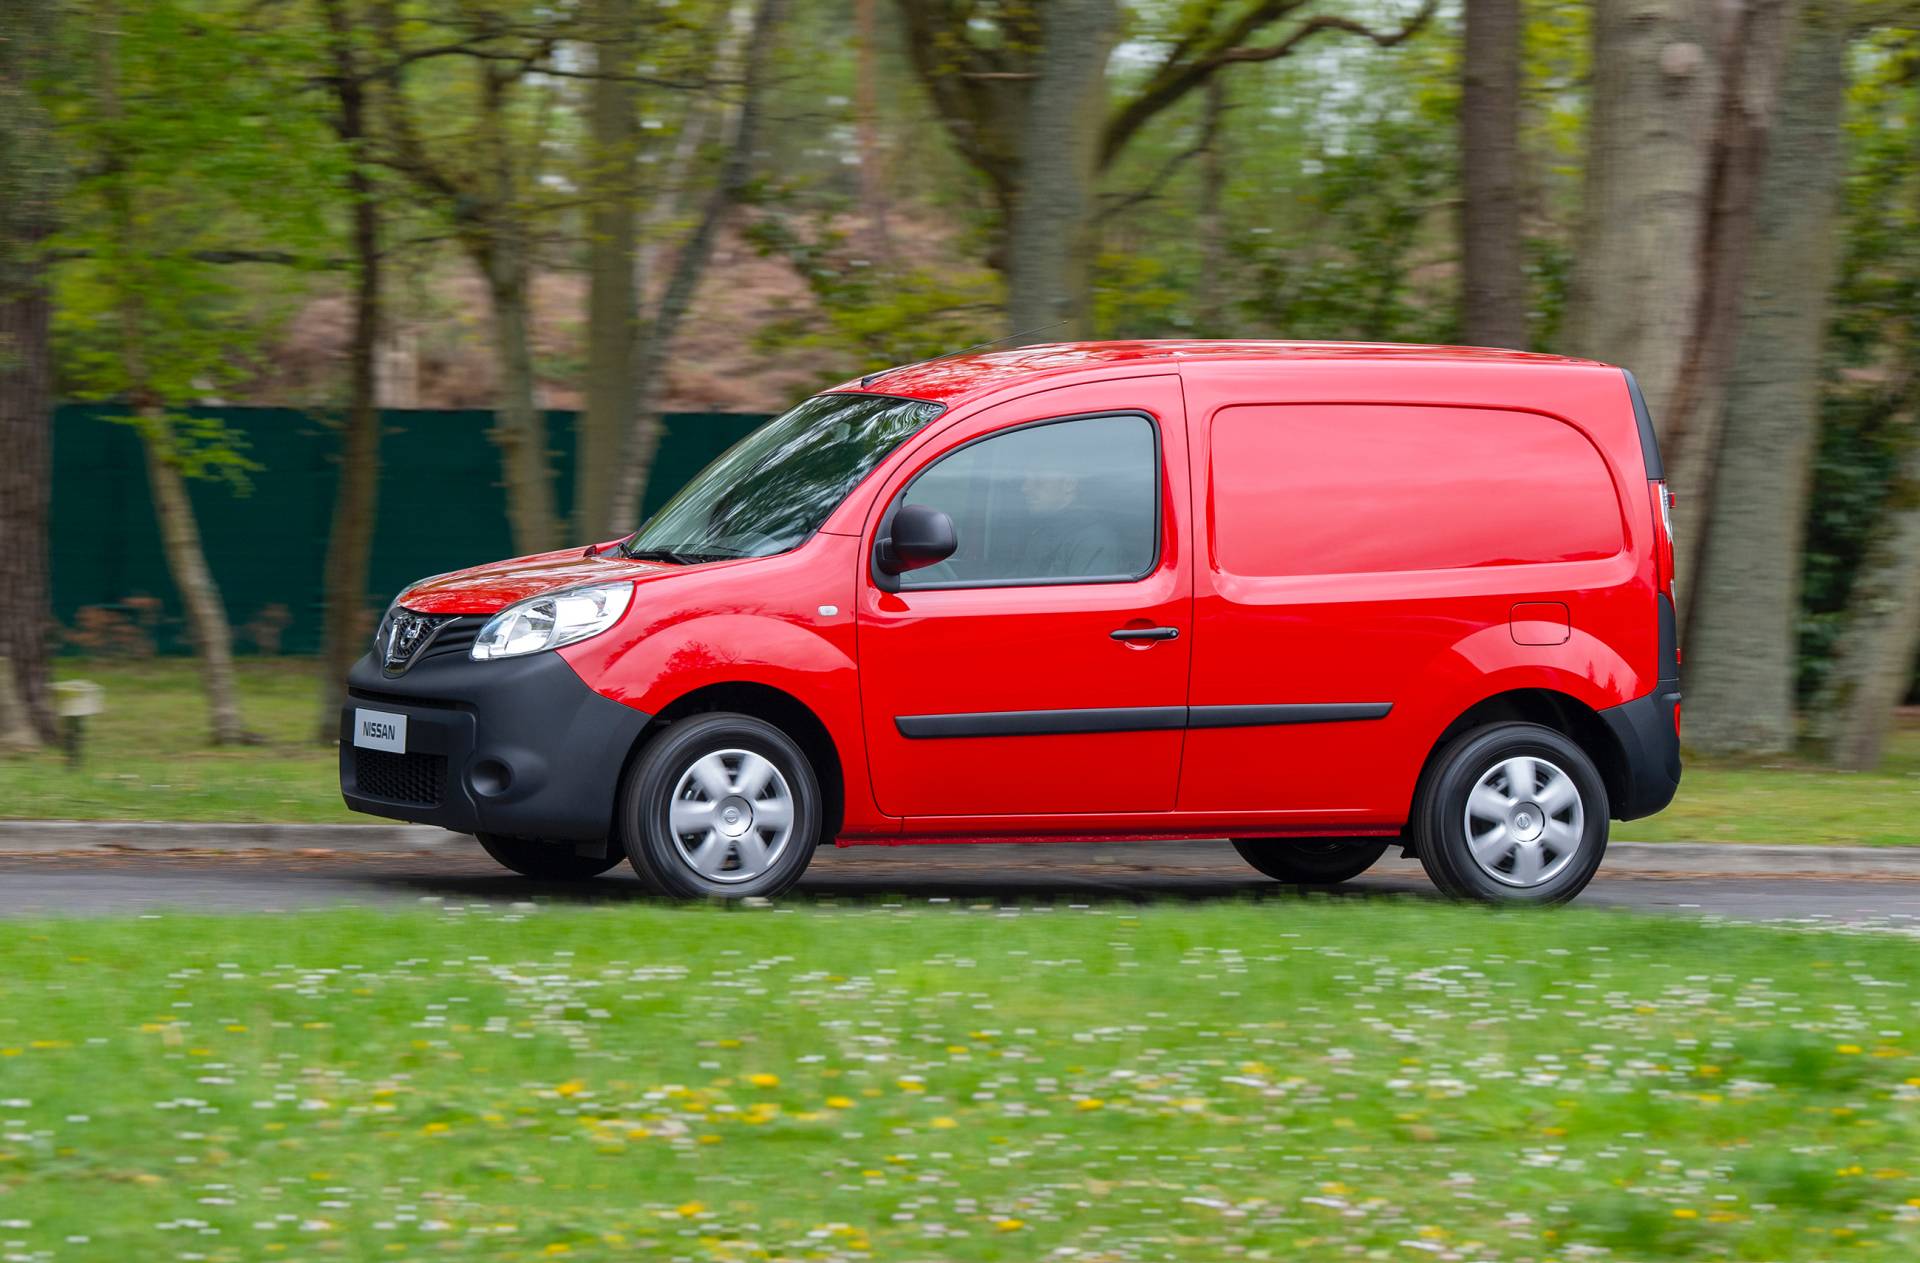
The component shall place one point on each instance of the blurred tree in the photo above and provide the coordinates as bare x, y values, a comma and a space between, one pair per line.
1493, 287
1742, 644
613, 314
30, 189
755, 61
474, 90
187, 144
1021, 87
1862, 627
350, 76
1635, 281
1682, 97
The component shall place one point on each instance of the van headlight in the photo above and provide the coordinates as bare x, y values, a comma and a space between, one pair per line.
552, 620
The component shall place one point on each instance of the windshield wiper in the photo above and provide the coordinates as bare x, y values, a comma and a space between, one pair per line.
668, 554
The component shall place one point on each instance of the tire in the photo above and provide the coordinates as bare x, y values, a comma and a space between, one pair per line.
1311, 861
675, 799
1536, 841
545, 861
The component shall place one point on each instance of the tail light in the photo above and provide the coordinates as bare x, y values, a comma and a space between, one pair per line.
1663, 549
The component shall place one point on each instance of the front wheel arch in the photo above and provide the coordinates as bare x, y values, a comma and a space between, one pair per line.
784, 711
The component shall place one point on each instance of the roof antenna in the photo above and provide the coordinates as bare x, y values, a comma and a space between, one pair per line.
871, 378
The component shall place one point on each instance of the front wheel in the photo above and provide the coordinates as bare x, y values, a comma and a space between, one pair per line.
1511, 813
721, 806
1311, 861
545, 861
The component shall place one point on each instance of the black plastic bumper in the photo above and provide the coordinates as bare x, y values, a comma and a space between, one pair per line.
520, 747
1648, 738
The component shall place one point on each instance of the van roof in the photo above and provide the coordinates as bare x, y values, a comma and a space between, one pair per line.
952, 378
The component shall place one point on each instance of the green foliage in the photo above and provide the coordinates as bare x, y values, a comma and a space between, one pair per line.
193, 137
1873, 370
872, 317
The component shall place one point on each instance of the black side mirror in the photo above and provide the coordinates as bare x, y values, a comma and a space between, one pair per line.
921, 536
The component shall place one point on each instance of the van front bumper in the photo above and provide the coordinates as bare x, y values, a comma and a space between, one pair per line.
520, 747
1650, 741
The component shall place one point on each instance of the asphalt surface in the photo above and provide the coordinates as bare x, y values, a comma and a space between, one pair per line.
130, 882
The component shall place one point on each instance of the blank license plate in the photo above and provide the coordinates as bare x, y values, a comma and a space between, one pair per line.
380, 730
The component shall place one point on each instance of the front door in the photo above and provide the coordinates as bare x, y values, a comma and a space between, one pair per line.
1042, 669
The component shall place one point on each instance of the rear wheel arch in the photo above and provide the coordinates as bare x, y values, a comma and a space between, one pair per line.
784, 711
1549, 708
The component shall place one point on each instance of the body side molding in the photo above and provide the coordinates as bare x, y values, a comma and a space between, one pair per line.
1034, 723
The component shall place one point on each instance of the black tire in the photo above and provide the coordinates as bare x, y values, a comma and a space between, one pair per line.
650, 791
1311, 861
1440, 819
544, 860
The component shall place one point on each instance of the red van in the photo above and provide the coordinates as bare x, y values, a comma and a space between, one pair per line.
1317, 598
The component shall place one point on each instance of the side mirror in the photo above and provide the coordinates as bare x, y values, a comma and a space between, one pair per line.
921, 536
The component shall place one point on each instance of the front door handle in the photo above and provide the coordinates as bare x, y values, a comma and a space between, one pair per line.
1145, 633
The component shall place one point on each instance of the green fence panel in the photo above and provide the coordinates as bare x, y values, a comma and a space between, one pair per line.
441, 506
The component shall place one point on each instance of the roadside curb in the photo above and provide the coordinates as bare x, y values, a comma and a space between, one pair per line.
99, 837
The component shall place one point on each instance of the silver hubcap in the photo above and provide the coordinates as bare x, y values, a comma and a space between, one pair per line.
731, 816
1524, 821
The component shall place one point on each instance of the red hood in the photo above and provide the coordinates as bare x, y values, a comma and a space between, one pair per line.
498, 584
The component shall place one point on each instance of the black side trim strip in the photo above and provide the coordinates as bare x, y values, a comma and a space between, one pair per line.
1290, 713
1035, 723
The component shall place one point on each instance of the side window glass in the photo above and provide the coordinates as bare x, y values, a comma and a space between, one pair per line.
1061, 502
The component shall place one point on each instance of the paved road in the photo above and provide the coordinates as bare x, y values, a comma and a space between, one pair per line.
90, 884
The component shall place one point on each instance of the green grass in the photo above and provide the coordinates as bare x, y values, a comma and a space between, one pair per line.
147, 759
1288, 1081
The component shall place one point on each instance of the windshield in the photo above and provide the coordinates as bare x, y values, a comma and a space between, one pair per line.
771, 490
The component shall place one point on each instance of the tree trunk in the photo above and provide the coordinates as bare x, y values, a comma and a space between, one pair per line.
17, 733
1050, 239
1494, 308
29, 189
505, 255
643, 439
1209, 293
1743, 643
612, 301
1874, 661
173, 511
520, 428
187, 563
1636, 275
873, 186
356, 499
1752, 52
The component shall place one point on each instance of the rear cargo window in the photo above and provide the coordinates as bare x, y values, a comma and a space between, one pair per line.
1304, 489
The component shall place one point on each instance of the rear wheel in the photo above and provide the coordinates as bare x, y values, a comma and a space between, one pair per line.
1512, 813
720, 806
545, 860
1311, 861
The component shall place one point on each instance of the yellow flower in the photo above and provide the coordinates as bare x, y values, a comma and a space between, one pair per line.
1848, 1049
943, 1123
912, 1085
1091, 1103
1010, 1225
557, 1247
764, 1080
1684, 1213
839, 1102
689, 1209
434, 1129
571, 1087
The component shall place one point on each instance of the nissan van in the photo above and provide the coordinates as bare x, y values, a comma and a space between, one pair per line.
1318, 599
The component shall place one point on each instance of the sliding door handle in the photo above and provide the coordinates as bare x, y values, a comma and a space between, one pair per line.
1145, 633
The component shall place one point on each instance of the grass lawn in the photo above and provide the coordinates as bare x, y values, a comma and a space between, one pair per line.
1287, 1081
147, 759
